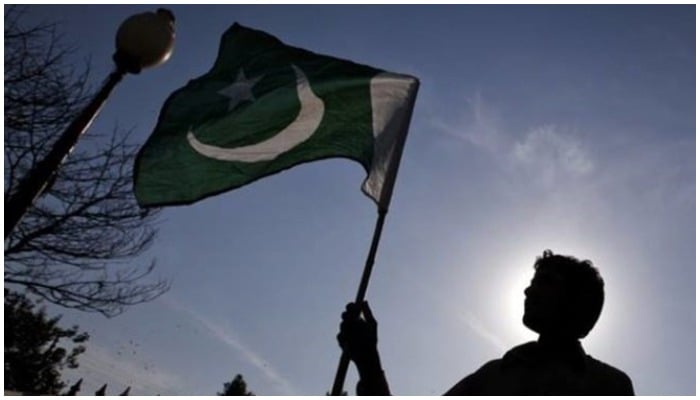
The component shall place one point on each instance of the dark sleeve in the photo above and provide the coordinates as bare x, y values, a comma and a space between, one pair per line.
373, 384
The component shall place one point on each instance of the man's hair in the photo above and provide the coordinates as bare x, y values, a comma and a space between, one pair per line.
584, 288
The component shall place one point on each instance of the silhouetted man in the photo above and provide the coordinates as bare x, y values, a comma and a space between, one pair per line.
562, 304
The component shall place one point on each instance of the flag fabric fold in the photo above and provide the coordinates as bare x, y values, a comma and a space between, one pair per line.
265, 107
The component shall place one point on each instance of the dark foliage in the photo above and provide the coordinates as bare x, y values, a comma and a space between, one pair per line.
237, 387
34, 347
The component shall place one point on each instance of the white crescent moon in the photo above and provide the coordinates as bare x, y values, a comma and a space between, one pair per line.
297, 132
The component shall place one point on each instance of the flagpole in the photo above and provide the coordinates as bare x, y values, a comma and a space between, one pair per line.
344, 362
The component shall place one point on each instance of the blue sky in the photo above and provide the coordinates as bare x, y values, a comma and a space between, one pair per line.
569, 128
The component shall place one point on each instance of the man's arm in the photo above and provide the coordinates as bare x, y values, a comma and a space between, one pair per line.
358, 338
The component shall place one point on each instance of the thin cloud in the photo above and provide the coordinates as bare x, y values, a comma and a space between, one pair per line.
480, 329
228, 337
546, 154
480, 125
551, 155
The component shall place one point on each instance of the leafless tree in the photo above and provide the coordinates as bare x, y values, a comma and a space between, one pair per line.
73, 246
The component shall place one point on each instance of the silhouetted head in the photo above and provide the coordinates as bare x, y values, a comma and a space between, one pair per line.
565, 297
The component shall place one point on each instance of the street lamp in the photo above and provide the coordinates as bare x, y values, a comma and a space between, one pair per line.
143, 40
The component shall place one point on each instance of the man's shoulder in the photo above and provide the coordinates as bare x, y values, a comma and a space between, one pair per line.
604, 368
489, 376
525, 352
522, 353
473, 384
611, 376
521, 367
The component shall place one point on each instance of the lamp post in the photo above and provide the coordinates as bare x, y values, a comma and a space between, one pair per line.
143, 40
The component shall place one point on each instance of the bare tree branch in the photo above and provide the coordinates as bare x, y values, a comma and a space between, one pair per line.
72, 245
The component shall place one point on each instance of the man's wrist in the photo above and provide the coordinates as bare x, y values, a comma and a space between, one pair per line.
372, 381
369, 366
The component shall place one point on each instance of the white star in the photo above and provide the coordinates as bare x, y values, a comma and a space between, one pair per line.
240, 90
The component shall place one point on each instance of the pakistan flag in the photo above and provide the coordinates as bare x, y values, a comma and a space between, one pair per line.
265, 107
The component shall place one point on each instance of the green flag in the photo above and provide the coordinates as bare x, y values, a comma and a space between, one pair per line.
265, 107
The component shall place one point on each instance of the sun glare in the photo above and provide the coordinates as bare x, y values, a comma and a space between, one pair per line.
515, 274
507, 274
518, 269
